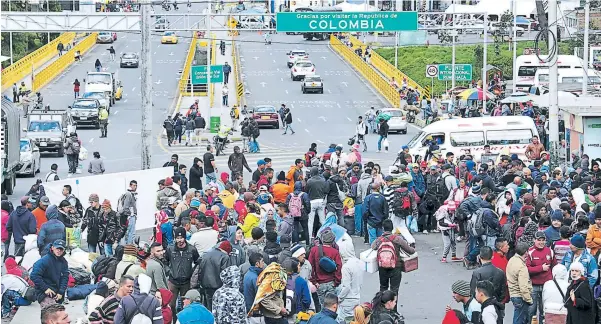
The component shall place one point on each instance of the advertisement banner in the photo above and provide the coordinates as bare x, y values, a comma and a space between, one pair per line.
592, 134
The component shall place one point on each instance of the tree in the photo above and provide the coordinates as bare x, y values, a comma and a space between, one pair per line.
478, 61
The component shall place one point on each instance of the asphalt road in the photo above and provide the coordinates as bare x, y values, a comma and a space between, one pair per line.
121, 149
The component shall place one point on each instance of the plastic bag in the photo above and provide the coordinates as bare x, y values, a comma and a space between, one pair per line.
73, 237
83, 154
385, 144
413, 224
81, 276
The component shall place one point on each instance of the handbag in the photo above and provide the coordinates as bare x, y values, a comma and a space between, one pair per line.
408, 262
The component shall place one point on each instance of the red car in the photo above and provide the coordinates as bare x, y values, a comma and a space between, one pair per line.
266, 116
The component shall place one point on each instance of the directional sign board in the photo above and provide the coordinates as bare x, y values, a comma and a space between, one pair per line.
199, 74
431, 71
332, 22
463, 72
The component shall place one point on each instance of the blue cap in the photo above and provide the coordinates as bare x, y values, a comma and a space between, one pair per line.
404, 147
195, 202
557, 215
261, 162
59, 244
578, 241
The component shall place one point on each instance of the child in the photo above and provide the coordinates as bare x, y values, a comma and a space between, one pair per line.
561, 247
445, 216
286, 226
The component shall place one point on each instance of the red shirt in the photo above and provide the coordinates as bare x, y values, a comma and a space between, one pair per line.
535, 259
318, 275
499, 261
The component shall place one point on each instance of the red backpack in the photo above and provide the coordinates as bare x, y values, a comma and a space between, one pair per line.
308, 157
387, 255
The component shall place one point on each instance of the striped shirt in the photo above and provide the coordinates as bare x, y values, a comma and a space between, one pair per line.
105, 312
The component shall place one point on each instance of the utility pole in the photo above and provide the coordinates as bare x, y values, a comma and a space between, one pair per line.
514, 43
146, 86
587, 22
453, 34
484, 58
553, 106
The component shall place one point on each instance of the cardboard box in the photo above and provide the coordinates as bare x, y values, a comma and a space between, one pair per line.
369, 259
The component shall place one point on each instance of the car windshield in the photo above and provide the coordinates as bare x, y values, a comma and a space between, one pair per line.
265, 110
44, 126
99, 78
312, 79
84, 104
394, 113
104, 34
299, 53
25, 146
129, 56
94, 95
415, 140
304, 64
169, 34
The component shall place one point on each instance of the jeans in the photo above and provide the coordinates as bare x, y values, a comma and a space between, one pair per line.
537, 303
178, 136
336, 208
189, 133
390, 279
224, 101
94, 248
358, 218
372, 125
374, 232
317, 206
380, 140
489, 241
474, 244
226, 78
210, 177
281, 320
520, 312
76, 94
170, 137
131, 230
288, 127
108, 249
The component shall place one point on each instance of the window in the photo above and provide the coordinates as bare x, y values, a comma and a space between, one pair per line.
99, 78
464, 139
527, 71
543, 78
265, 109
394, 112
85, 104
415, 140
25, 146
515, 136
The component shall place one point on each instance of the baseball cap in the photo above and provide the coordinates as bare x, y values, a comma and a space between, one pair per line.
45, 201
539, 235
388, 178
261, 162
263, 188
193, 295
423, 164
433, 167
59, 244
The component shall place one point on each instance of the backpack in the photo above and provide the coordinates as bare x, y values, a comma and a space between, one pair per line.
442, 189
254, 129
78, 207
233, 113
253, 147
263, 198
290, 301
121, 204
296, 205
104, 267
76, 147
138, 317
401, 204
387, 255
308, 157
475, 224
326, 264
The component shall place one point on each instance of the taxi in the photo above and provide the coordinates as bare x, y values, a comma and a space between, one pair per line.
169, 37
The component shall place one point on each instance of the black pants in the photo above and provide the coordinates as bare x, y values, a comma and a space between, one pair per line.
209, 292
301, 231
170, 136
461, 226
390, 279
19, 249
72, 162
226, 78
15, 97
178, 135
281, 320
177, 290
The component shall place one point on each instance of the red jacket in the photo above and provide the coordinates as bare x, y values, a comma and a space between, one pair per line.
318, 275
500, 261
535, 258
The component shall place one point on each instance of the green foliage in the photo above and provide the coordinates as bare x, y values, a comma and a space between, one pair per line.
413, 59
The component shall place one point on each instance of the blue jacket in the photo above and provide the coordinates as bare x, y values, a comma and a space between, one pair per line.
514, 212
326, 316
589, 263
552, 235
490, 221
250, 286
50, 231
469, 206
21, 222
50, 272
302, 294
418, 181
167, 230
195, 313
375, 209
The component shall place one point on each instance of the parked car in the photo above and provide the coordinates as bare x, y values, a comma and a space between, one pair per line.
398, 121
102, 98
30, 158
312, 84
129, 59
266, 115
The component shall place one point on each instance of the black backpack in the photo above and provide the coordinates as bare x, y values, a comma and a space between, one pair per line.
402, 203
104, 267
79, 207
441, 188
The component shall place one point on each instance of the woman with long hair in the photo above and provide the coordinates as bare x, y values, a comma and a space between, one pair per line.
362, 314
384, 308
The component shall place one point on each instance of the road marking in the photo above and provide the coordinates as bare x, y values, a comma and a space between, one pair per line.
282, 79
116, 112
320, 142
337, 104
130, 132
329, 91
159, 82
286, 91
256, 57
306, 130
322, 118
274, 61
155, 53
292, 106
263, 85
133, 89
91, 139
124, 101
171, 54
298, 120
323, 57
345, 84
349, 119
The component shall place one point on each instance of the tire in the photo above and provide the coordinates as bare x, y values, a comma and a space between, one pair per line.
321, 91
9, 184
121, 65
33, 167
61, 152
218, 149
277, 126
303, 91
292, 77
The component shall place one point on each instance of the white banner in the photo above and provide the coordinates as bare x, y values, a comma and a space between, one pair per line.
111, 186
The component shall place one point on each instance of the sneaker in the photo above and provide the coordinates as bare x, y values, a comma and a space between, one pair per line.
459, 239
425, 232
443, 260
435, 231
471, 267
378, 151
456, 259
293, 133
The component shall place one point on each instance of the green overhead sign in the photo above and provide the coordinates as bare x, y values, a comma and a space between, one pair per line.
333, 22
199, 74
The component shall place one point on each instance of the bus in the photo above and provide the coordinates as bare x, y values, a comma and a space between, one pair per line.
568, 77
318, 36
527, 65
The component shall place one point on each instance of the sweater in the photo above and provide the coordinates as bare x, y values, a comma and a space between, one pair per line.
535, 259
318, 275
21, 223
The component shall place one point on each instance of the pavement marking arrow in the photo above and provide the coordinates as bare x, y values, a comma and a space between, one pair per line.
345, 84
263, 84
171, 54
103, 54
159, 82
130, 132
349, 119
323, 57
322, 118
320, 142
256, 57
116, 112
329, 91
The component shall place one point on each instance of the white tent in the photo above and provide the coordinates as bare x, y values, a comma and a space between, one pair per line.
463, 9
498, 7
359, 7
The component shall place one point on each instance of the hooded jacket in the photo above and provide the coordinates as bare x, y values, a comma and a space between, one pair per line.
375, 209
552, 296
52, 230
166, 310
363, 187
588, 261
140, 302
21, 222
94, 222
69, 145
163, 197
250, 286
196, 174
228, 302
285, 231
238, 255
211, 265
317, 187
50, 272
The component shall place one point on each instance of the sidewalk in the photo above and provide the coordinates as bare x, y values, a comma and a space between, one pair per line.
219, 109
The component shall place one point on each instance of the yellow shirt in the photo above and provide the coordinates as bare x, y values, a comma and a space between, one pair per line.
103, 114
250, 221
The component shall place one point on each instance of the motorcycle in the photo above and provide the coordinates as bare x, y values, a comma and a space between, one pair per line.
411, 116
221, 140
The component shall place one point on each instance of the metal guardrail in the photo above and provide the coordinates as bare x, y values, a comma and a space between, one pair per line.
58, 66
238, 75
213, 62
387, 69
27, 65
376, 80
185, 88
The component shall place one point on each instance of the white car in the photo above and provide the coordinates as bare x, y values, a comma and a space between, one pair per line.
495, 28
248, 22
296, 55
312, 84
302, 69
471, 26
102, 97
397, 122
30, 158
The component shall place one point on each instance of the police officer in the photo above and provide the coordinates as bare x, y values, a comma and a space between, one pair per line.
103, 118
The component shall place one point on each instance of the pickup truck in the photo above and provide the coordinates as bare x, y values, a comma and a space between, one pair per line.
10, 150
104, 82
49, 129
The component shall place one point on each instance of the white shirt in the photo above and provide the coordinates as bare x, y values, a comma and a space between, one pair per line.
204, 239
489, 315
225, 91
360, 128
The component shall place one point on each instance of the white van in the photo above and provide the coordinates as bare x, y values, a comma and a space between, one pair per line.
457, 135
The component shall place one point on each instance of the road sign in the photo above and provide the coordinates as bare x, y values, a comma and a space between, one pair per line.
463, 72
346, 21
431, 71
199, 74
